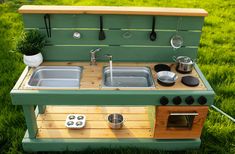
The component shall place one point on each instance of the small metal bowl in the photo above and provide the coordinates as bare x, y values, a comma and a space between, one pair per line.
79, 123
69, 123
80, 117
166, 78
71, 117
115, 121
177, 41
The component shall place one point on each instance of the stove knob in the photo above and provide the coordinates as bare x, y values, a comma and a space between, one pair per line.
189, 100
177, 100
164, 100
202, 100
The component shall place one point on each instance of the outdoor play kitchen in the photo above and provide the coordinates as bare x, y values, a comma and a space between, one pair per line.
113, 77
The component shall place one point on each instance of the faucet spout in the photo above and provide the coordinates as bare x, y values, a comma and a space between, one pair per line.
93, 56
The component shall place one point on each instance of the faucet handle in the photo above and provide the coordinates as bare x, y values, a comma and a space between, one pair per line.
95, 50
108, 56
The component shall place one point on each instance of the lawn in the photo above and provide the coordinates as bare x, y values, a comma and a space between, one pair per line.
216, 60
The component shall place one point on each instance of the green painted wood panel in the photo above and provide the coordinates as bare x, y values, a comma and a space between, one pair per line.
104, 97
119, 53
30, 119
113, 21
41, 109
118, 37
116, 26
82, 144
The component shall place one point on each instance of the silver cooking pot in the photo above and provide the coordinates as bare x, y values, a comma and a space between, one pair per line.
115, 120
184, 64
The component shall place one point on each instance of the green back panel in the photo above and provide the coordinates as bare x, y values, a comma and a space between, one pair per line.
119, 53
127, 36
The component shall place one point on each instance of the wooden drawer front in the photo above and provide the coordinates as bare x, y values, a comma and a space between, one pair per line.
162, 131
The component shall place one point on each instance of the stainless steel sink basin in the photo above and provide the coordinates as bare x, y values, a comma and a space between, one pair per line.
128, 77
56, 77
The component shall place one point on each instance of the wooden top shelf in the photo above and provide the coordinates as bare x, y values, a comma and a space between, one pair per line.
42, 9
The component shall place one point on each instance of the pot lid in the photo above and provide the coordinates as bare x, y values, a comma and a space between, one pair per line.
184, 59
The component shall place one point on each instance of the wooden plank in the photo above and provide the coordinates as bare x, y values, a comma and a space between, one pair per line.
114, 22
111, 10
93, 125
119, 53
94, 109
117, 37
163, 132
90, 116
21, 78
94, 133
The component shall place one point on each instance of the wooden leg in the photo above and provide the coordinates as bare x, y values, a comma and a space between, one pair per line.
41, 109
30, 119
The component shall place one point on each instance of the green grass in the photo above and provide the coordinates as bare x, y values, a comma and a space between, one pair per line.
216, 60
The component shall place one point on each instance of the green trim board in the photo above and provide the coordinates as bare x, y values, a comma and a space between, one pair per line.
121, 37
82, 144
206, 83
119, 53
113, 21
103, 97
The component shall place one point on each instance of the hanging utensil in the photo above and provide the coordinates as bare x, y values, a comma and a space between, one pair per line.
176, 40
47, 22
101, 33
153, 34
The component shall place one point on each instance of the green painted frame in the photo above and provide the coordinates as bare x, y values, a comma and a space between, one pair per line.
32, 145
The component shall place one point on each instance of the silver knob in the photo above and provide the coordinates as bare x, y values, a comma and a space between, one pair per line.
76, 35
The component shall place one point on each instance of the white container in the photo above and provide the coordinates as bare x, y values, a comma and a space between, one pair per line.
75, 121
33, 60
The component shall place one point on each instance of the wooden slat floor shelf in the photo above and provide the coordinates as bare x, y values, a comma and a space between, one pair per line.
136, 124
92, 76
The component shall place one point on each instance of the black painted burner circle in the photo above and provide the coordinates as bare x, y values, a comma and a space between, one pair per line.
162, 67
190, 81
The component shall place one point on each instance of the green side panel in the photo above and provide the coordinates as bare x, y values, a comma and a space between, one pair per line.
82, 144
41, 109
30, 119
206, 83
104, 97
113, 21
119, 53
121, 37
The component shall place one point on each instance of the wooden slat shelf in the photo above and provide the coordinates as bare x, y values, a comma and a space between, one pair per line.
42, 9
90, 116
136, 124
92, 76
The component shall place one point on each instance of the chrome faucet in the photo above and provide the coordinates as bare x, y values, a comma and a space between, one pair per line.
93, 55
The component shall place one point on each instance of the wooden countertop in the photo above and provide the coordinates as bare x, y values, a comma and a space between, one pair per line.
50, 9
92, 76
